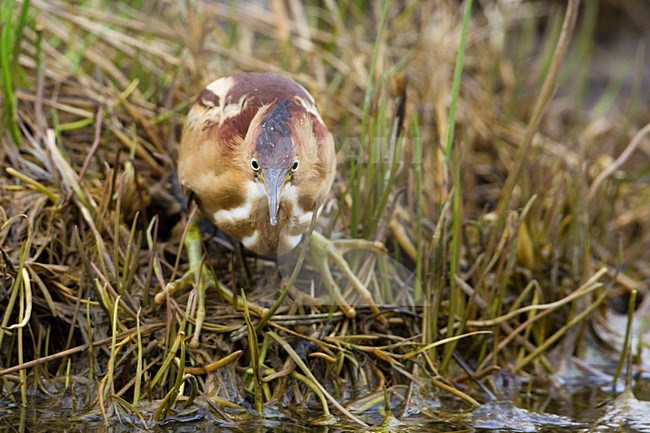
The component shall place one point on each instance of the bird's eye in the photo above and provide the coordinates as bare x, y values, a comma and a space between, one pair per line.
255, 165
295, 165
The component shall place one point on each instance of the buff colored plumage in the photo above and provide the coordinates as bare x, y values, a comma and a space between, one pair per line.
258, 159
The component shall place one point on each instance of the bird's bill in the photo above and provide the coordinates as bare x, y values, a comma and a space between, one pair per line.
274, 179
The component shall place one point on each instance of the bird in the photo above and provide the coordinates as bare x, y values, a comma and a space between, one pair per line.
258, 159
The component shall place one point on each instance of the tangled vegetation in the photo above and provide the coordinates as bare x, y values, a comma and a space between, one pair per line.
506, 178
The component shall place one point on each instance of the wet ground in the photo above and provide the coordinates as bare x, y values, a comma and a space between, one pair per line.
558, 407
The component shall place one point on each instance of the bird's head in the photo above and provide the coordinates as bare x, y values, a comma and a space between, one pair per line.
274, 149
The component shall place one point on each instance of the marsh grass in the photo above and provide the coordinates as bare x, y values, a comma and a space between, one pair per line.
473, 143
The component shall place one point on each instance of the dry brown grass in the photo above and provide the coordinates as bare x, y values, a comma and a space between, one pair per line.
91, 226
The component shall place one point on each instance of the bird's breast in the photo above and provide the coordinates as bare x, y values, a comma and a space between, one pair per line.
249, 221
240, 220
253, 195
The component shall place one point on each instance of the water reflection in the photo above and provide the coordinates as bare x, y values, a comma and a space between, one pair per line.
584, 409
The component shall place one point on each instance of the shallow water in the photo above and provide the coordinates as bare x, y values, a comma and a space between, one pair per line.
571, 407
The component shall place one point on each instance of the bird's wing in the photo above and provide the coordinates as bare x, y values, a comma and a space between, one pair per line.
230, 103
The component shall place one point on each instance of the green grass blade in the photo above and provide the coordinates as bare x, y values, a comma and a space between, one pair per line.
455, 294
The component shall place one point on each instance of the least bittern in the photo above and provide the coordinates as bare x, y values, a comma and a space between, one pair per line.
259, 161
